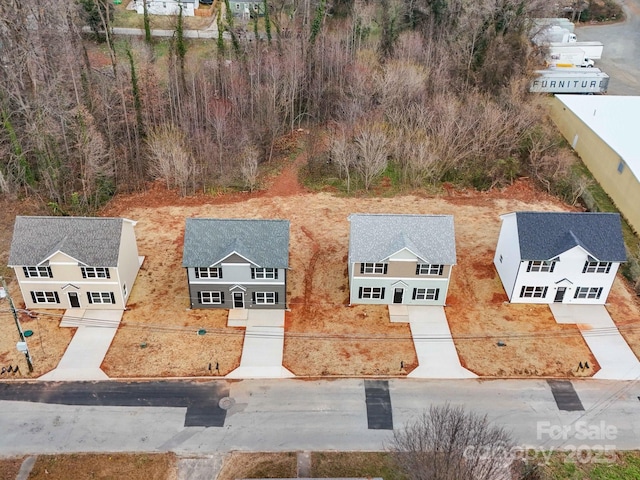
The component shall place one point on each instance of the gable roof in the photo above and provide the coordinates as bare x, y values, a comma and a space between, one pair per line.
208, 241
376, 237
545, 235
92, 241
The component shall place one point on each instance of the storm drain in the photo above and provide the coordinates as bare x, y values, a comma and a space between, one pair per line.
379, 415
565, 395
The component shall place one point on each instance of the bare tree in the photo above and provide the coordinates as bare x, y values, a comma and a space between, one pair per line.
449, 443
249, 167
170, 158
343, 152
371, 143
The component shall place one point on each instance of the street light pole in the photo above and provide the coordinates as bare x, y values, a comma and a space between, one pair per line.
23, 340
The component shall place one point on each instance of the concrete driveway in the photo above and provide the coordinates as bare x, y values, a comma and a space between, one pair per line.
263, 345
616, 359
436, 352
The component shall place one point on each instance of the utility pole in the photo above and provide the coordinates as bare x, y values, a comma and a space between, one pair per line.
22, 345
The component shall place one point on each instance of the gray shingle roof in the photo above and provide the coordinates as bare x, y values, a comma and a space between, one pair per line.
207, 241
545, 235
93, 241
375, 237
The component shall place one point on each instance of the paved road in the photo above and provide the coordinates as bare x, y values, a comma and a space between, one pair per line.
621, 55
289, 414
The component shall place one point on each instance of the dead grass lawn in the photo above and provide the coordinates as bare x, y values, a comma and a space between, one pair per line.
258, 465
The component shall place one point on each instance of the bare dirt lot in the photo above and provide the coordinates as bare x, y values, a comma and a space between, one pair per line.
323, 335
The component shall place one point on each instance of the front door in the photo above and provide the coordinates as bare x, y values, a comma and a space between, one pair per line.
238, 300
398, 293
74, 301
560, 294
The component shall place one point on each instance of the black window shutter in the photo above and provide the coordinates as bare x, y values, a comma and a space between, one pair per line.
275, 273
199, 297
360, 292
575, 295
608, 267
221, 297
584, 269
33, 297
253, 273
522, 292
362, 268
382, 293
276, 296
84, 272
437, 294
385, 269
196, 271
55, 294
113, 298
415, 291
544, 292
599, 292
26, 272
253, 297
107, 272
441, 270
89, 297
51, 273
553, 265
529, 267
219, 272
418, 269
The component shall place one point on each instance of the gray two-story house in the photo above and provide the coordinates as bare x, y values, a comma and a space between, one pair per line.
236, 263
400, 259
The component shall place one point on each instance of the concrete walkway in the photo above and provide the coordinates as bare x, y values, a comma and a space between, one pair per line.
436, 352
616, 359
263, 346
85, 353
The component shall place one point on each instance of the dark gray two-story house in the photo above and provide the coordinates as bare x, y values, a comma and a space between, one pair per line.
236, 263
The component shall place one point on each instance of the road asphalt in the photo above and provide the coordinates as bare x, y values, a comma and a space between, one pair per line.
210, 417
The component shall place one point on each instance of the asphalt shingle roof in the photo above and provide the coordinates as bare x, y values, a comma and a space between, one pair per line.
93, 241
263, 242
545, 235
375, 237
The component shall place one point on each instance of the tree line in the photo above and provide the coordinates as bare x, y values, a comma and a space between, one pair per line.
433, 89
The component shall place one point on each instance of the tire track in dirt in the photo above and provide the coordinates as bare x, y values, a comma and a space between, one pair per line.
308, 276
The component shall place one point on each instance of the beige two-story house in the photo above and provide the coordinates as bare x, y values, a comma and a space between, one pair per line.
74, 262
400, 259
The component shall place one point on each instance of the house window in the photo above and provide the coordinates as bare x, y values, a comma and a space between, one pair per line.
596, 267
265, 298
500, 258
101, 297
95, 272
208, 272
426, 293
588, 292
621, 167
264, 273
541, 266
429, 269
214, 298
37, 272
371, 292
45, 297
373, 268
533, 292
124, 290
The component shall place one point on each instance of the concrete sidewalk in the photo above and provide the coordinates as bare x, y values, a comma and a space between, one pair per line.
89, 345
436, 352
616, 359
263, 346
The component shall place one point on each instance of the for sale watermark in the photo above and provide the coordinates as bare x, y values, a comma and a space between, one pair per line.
580, 430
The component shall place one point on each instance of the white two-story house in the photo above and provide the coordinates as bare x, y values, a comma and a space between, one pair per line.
400, 259
559, 257
74, 262
236, 263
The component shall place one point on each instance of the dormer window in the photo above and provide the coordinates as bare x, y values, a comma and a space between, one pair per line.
541, 266
95, 272
429, 269
373, 268
208, 272
596, 267
37, 272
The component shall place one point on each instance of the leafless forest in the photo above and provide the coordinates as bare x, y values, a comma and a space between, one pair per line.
434, 90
